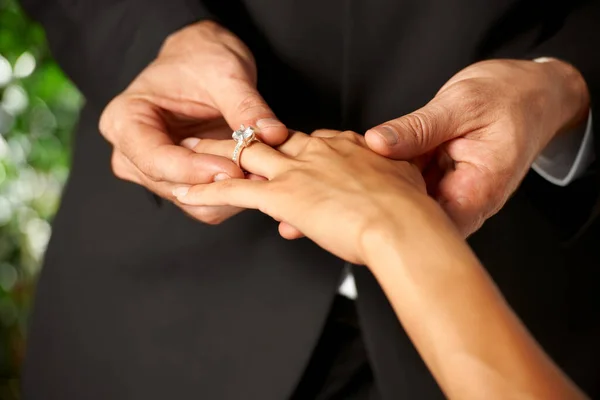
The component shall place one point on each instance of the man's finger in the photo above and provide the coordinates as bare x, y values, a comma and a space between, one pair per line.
154, 154
414, 134
123, 169
469, 196
241, 104
211, 215
180, 165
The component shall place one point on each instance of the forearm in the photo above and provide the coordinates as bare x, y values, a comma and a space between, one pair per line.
468, 336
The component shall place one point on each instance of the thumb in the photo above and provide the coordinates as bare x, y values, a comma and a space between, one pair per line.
414, 134
241, 104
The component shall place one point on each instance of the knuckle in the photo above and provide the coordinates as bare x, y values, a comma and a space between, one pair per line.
108, 121
485, 197
121, 169
104, 123
229, 65
251, 104
210, 215
351, 136
239, 65
317, 145
117, 165
148, 167
469, 89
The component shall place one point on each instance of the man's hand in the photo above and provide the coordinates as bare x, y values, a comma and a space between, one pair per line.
480, 134
202, 75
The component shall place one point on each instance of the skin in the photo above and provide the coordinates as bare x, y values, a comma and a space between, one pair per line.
375, 211
483, 130
477, 138
204, 78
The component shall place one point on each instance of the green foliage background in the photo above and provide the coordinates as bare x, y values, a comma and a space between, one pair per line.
38, 110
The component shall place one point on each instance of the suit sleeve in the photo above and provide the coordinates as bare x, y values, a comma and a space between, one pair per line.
103, 44
577, 41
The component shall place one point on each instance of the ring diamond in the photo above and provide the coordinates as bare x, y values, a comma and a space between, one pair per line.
243, 137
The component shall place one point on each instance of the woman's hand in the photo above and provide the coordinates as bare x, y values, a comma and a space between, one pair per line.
329, 186
372, 210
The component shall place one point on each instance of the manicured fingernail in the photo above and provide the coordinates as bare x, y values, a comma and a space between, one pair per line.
181, 191
190, 142
388, 134
267, 123
221, 177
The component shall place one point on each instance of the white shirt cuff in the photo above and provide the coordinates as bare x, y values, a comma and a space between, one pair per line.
567, 156
348, 286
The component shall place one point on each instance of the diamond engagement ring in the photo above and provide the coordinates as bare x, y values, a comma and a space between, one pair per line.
243, 137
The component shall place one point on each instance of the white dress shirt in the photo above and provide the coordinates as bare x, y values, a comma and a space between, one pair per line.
565, 159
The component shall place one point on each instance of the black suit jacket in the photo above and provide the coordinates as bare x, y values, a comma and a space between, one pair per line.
137, 301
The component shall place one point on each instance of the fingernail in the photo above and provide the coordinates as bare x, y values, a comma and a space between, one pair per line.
221, 177
388, 134
190, 142
267, 123
181, 191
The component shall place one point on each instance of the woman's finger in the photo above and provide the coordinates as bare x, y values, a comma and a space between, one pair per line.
287, 231
243, 193
295, 143
352, 137
124, 169
325, 133
257, 158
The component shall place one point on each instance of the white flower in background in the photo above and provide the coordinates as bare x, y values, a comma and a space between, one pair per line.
24, 214
42, 121
27, 184
15, 99
5, 72
38, 234
17, 151
24, 66
23, 189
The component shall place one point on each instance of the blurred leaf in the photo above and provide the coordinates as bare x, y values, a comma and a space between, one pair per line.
34, 160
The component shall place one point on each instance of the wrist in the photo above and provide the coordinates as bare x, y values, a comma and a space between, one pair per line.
569, 91
190, 35
411, 226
